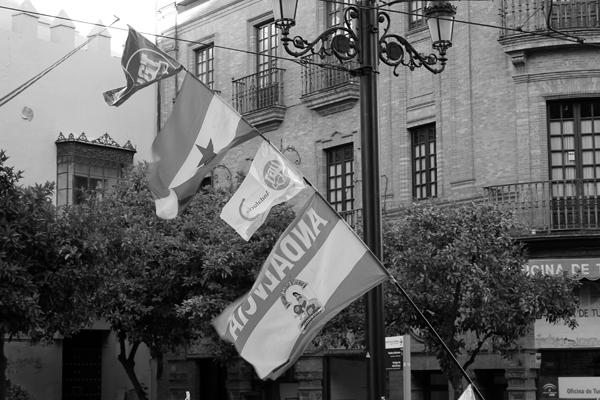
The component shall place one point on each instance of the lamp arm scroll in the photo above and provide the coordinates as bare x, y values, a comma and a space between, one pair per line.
394, 50
338, 41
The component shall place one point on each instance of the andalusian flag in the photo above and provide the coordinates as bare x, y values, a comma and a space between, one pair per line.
195, 138
143, 63
317, 268
271, 180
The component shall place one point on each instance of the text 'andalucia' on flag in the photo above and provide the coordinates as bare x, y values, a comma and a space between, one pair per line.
271, 180
143, 63
200, 130
317, 268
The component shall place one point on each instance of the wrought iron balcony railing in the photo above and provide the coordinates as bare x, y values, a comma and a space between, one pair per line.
258, 91
530, 15
551, 206
316, 77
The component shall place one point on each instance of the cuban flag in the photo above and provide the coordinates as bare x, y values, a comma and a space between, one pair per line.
200, 130
317, 268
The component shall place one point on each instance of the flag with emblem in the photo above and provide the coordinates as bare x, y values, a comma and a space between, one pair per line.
143, 63
271, 180
200, 130
317, 268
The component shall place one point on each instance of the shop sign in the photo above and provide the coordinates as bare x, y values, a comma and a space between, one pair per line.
588, 268
579, 388
587, 314
394, 346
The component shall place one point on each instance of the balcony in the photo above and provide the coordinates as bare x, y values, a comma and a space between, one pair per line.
574, 17
259, 98
328, 90
546, 206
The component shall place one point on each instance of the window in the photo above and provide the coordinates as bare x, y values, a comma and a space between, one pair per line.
574, 129
92, 179
88, 167
415, 14
335, 12
204, 65
574, 159
266, 47
267, 77
424, 163
340, 177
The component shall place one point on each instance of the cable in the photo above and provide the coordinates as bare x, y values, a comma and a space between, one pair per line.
302, 61
21, 88
571, 38
294, 60
549, 24
324, 65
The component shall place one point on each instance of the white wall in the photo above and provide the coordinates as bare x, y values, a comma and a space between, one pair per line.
68, 100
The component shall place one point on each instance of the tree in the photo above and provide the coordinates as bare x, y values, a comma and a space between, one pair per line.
462, 266
162, 275
43, 280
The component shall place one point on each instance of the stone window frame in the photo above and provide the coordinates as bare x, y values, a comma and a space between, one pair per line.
418, 144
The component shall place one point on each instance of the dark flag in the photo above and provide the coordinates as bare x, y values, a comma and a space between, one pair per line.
143, 63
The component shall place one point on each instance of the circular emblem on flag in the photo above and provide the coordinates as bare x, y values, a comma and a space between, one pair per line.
274, 175
299, 299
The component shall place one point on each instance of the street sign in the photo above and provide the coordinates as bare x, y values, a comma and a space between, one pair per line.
394, 346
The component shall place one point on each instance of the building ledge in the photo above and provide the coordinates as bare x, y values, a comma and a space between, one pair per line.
517, 46
334, 99
266, 119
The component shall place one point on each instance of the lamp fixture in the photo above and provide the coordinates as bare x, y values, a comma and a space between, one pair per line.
365, 36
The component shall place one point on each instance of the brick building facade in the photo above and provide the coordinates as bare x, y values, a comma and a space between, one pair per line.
512, 119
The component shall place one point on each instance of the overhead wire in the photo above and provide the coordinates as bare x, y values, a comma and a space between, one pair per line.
22, 87
561, 35
550, 33
304, 61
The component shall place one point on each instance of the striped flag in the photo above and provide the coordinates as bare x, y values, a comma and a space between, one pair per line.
143, 63
195, 138
317, 268
271, 180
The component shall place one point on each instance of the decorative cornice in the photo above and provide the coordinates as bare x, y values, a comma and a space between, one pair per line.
517, 46
555, 75
333, 99
104, 141
266, 119
424, 104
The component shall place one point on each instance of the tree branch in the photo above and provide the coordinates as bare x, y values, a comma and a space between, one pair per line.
132, 352
473, 354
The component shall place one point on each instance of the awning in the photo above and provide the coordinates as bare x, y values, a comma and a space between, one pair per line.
578, 268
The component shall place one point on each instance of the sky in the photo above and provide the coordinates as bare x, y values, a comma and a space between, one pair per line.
142, 15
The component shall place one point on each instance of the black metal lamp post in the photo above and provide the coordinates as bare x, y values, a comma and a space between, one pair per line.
365, 36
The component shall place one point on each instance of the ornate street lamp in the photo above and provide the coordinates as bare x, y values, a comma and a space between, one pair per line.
343, 41
365, 36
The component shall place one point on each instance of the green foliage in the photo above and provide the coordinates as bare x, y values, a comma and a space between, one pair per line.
44, 281
164, 280
461, 265
16, 392
40, 272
